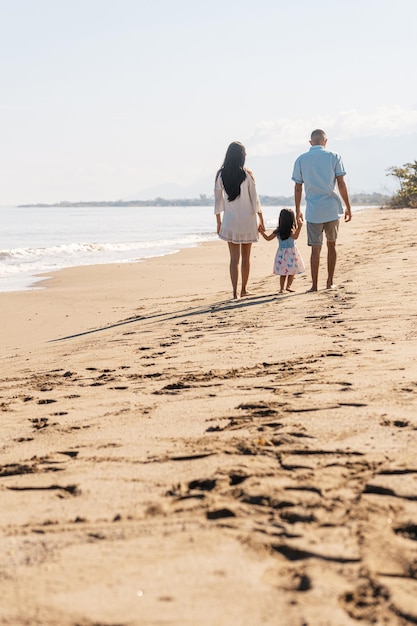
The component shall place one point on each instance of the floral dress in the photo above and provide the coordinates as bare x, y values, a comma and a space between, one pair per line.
288, 260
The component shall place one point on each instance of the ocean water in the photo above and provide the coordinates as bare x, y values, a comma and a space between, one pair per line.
37, 241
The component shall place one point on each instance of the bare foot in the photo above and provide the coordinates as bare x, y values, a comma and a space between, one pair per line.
282, 291
311, 290
246, 293
290, 290
330, 286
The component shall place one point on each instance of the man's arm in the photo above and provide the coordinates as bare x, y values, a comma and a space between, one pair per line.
298, 192
345, 197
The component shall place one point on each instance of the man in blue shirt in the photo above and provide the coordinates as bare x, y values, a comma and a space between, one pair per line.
319, 170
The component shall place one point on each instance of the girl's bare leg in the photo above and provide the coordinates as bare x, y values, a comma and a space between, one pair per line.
234, 249
282, 283
290, 281
246, 250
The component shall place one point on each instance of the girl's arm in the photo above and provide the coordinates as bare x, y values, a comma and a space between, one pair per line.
273, 235
298, 228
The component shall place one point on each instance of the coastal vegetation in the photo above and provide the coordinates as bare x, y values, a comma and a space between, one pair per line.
368, 199
406, 175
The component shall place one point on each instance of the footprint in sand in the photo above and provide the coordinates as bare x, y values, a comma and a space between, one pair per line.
409, 531
39, 422
365, 600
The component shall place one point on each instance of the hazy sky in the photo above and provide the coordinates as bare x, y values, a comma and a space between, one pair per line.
105, 99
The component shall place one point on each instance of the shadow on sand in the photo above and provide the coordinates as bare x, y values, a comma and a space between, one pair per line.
225, 305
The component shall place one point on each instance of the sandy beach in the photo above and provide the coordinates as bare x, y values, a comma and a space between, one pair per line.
170, 456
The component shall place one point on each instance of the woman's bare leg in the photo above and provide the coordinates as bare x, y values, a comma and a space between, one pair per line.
246, 250
282, 283
234, 249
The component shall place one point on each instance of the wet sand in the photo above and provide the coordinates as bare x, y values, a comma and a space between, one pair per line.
171, 456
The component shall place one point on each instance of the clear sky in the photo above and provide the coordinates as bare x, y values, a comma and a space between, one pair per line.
110, 99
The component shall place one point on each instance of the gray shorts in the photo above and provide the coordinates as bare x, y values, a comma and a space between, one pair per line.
315, 232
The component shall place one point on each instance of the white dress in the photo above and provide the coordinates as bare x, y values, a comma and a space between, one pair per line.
239, 224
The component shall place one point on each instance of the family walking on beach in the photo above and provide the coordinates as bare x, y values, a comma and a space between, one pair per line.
240, 220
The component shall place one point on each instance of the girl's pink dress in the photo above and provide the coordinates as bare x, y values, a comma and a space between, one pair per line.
288, 260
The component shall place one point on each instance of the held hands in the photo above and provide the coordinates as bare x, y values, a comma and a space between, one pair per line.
267, 237
300, 219
261, 228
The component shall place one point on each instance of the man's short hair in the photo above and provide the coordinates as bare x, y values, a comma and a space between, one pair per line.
317, 135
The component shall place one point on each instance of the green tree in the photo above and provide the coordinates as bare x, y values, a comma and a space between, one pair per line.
406, 196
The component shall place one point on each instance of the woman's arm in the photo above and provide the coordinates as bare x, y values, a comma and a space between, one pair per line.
253, 194
254, 198
218, 202
219, 222
261, 225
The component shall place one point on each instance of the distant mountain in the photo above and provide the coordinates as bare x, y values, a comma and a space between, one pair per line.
366, 161
172, 191
375, 199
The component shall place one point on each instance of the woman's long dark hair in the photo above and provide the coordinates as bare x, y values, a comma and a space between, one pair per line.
232, 171
286, 223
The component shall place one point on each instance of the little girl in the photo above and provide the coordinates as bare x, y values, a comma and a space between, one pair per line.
288, 260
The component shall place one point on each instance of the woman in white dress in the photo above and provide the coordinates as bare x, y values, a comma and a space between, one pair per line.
236, 198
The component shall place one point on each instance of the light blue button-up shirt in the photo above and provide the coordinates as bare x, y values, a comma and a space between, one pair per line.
317, 170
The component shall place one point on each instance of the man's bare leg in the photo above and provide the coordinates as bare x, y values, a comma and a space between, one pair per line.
331, 262
246, 250
314, 266
234, 249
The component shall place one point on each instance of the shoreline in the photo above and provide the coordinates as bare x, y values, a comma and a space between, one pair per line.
25, 281
171, 455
